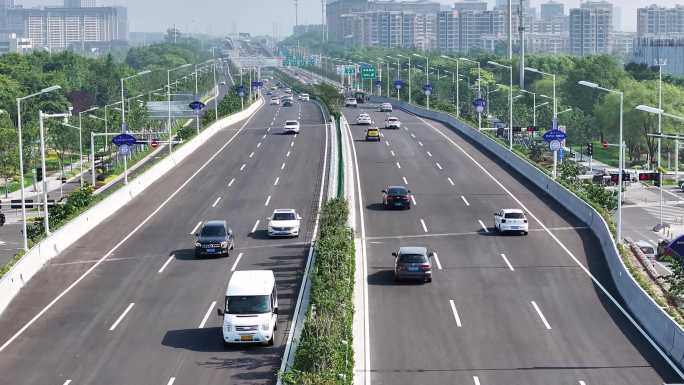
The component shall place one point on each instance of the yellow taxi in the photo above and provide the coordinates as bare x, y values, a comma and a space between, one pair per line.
372, 133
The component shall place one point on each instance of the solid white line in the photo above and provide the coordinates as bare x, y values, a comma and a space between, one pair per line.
207, 314
288, 154
422, 223
216, 202
420, 143
251, 155
508, 263
231, 182
237, 260
194, 229
451, 181
171, 381
255, 226
453, 310
476, 380
439, 264
413, 199
121, 317
268, 200
258, 144
398, 165
392, 152
541, 315
161, 270
439, 166
483, 226
429, 154
405, 181
283, 166
243, 166
276, 181
465, 200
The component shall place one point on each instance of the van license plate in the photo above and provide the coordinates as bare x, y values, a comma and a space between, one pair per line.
246, 338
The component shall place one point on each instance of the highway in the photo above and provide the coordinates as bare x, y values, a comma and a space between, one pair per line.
129, 304
501, 310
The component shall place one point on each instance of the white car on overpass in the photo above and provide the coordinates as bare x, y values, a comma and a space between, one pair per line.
511, 220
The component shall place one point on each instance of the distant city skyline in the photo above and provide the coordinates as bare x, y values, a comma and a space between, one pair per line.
260, 16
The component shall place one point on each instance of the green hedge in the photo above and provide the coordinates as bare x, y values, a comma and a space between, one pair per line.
325, 355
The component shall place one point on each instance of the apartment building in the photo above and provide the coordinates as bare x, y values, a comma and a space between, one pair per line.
591, 28
660, 21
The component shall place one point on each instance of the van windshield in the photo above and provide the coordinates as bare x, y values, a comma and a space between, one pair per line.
253, 304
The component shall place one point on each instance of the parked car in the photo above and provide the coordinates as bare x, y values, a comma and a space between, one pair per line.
214, 238
647, 248
304, 97
287, 103
511, 220
413, 263
396, 197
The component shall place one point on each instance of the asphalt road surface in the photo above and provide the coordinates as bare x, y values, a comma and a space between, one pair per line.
501, 310
137, 307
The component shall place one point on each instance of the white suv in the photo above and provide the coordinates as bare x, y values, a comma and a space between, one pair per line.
392, 122
304, 97
291, 126
511, 220
350, 102
386, 107
284, 223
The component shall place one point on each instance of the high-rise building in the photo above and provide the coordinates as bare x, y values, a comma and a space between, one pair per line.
80, 4
448, 31
660, 21
470, 5
652, 49
591, 28
552, 9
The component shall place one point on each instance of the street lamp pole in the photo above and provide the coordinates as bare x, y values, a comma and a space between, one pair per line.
510, 108
479, 88
427, 77
41, 124
80, 140
168, 97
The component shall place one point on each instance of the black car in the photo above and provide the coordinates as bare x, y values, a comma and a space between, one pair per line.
287, 103
396, 197
214, 238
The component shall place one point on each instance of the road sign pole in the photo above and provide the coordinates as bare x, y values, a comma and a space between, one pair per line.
555, 163
125, 156
591, 159
92, 156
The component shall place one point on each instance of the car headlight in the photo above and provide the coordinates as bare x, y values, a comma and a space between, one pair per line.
197, 244
224, 244
266, 325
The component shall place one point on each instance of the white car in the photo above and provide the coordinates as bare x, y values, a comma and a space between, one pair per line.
291, 127
648, 249
386, 107
304, 97
364, 119
275, 101
284, 223
350, 102
511, 220
392, 122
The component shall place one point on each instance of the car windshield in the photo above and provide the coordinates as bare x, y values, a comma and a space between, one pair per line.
514, 216
647, 250
284, 217
412, 258
213, 231
397, 191
291, 123
393, 119
252, 304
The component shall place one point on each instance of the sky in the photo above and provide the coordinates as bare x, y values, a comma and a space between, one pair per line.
262, 16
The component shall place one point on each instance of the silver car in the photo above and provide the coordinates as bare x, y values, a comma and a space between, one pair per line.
413, 263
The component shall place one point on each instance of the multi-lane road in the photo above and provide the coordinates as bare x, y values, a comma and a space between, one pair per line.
129, 304
501, 310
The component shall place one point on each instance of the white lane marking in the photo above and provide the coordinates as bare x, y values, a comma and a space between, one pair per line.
437, 261
237, 260
67, 382
562, 246
398, 165
276, 181
243, 166
283, 166
256, 225
121, 317
582, 382
420, 143
439, 166
269, 129
268, 200
288, 154
251, 155
508, 263
476, 380
194, 229
216, 202
161, 270
387, 143
465, 200
541, 315
429, 154
258, 144
382, 135
392, 152
292, 144
451, 181
453, 310
486, 230
171, 381
263, 137
413, 199
405, 181
422, 223
206, 315
413, 136
231, 182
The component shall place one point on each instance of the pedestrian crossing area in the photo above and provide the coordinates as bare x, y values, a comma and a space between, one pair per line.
671, 214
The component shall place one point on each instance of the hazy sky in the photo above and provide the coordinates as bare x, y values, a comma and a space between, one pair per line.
260, 16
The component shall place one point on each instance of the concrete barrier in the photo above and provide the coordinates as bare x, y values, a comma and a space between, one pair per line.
50, 247
652, 320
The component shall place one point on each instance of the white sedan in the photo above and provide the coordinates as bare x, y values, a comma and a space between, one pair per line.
284, 223
364, 119
291, 127
392, 122
275, 101
511, 220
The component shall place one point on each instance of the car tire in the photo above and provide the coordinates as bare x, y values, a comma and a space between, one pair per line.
428, 280
232, 246
226, 345
271, 341
524, 233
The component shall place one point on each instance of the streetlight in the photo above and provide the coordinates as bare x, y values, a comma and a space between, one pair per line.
534, 105
92, 146
21, 157
621, 149
168, 97
479, 88
458, 104
80, 140
487, 92
510, 103
123, 115
555, 101
409, 75
427, 77
398, 74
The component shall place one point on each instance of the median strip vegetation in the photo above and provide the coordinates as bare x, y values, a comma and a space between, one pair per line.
324, 355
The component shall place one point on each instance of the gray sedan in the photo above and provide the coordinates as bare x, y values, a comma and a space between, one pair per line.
413, 263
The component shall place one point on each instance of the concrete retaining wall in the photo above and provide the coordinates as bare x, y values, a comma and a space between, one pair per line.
61, 239
661, 328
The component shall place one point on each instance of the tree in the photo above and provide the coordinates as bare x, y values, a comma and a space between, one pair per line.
9, 152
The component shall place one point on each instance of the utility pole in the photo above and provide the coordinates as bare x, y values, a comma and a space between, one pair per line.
296, 4
510, 29
521, 29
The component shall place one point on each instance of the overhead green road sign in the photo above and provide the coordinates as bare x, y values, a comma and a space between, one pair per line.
349, 70
368, 72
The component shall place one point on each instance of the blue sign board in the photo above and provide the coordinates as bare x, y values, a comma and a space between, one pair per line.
378, 82
124, 149
197, 105
479, 104
240, 91
124, 140
427, 87
398, 84
554, 135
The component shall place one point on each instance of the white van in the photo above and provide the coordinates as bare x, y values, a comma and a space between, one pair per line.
250, 311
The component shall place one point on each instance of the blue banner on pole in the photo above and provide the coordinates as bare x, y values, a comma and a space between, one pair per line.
124, 140
554, 135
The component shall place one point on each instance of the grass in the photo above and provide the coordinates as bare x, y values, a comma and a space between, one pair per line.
608, 155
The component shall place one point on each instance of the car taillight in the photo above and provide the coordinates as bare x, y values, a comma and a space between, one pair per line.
405, 198
425, 267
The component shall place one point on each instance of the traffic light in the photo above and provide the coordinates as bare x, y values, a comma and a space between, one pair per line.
605, 145
590, 149
39, 174
532, 128
625, 177
517, 129
646, 176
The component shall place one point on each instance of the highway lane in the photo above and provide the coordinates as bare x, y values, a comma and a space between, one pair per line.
502, 309
160, 337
